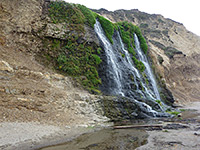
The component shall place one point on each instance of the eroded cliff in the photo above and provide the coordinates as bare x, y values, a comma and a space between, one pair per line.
30, 88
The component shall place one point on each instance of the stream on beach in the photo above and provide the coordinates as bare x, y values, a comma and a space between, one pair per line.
130, 139
106, 139
109, 138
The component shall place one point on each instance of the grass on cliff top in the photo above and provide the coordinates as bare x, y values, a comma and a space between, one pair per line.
60, 11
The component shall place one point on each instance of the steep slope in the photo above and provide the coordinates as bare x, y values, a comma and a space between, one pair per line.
174, 50
30, 88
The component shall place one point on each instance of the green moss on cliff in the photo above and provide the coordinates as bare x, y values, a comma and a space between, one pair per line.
77, 57
60, 11
77, 60
65, 12
139, 65
74, 56
89, 18
127, 33
107, 26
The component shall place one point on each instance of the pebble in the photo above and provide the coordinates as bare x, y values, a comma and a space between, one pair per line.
68, 127
196, 134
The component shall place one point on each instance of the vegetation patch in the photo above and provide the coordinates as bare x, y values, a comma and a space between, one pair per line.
176, 113
182, 110
127, 35
145, 77
72, 57
143, 43
139, 65
65, 12
127, 31
158, 44
81, 59
144, 25
158, 101
171, 51
153, 33
123, 55
107, 26
60, 11
90, 17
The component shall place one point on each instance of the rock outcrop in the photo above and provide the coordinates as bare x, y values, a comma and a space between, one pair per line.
174, 51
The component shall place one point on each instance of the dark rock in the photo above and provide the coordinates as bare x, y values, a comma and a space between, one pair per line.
120, 108
197, 134
172, 143
175, 126
166, 95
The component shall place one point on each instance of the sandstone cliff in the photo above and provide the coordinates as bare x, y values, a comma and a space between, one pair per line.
30, 89
175, 51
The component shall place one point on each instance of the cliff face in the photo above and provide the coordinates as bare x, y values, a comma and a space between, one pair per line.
30, 89
175, 51
30, 40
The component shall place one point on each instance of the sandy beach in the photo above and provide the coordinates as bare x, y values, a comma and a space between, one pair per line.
33, 135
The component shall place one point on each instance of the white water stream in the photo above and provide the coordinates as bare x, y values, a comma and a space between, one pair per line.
144, 60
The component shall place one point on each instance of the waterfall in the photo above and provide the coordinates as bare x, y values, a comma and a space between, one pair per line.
128, 57
115, 71
120, 77
120, 69
129, 64
148, 70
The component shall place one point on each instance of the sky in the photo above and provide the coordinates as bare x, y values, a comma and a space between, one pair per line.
183, 11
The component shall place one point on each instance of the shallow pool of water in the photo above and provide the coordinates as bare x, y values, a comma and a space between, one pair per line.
106, 139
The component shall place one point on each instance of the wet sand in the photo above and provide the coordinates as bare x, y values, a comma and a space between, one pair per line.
107, 139
178, 138
177, 134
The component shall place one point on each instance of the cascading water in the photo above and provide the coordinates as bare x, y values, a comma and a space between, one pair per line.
148, 70
130, 65
121, 78
115, 71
